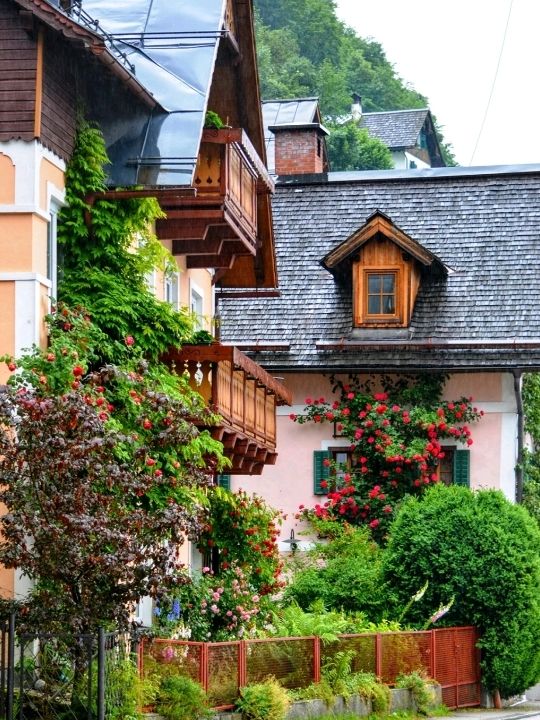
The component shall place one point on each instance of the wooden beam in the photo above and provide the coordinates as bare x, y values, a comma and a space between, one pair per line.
38, 106
197, 247
181, 229
210, 261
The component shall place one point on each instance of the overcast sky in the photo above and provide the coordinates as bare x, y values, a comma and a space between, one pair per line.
448, 50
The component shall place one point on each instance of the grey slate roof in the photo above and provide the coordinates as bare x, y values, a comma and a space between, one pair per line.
484, 223
397, 129
286, 112
172, 47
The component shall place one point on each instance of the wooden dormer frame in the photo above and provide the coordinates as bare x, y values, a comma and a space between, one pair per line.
381, 248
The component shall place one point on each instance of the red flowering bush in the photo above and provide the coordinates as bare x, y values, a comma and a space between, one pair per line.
243, 530
231, 598
395, 448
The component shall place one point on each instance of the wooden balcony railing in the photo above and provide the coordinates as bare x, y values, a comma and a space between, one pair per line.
220, 221
243, 394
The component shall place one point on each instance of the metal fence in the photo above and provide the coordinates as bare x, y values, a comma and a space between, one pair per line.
68, 677
449, 656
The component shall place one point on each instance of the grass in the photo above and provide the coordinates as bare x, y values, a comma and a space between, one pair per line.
439, 711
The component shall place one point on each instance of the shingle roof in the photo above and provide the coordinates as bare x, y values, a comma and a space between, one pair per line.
484, 223
286, 112
397, 129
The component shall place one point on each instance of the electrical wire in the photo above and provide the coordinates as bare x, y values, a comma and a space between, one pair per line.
494, 82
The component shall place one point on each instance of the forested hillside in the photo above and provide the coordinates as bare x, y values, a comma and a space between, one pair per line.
304, 50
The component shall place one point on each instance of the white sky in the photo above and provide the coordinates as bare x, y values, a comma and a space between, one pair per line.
448, 50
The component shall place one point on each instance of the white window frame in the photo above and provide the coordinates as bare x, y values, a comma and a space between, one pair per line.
196, 297
55, 204
171, 289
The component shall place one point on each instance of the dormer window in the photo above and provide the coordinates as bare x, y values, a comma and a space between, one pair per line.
378, 289
385, 266
381, 294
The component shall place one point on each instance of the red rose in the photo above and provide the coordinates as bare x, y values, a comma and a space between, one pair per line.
78, 371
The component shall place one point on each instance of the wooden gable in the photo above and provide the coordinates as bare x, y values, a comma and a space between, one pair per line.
385, 266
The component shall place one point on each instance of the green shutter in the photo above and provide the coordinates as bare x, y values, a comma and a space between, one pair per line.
320, 470
224, 481
461, 469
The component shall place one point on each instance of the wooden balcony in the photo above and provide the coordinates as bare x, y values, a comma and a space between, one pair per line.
219, 222
244, 395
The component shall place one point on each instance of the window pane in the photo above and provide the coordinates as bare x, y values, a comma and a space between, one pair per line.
388, 283
388, 304
374, 305
374, 284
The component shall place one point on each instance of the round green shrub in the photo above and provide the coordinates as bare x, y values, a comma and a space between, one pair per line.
345, 574
181, 698
483, 551
264, 701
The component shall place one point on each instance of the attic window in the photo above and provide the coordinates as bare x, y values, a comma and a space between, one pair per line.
378, 294
381, 293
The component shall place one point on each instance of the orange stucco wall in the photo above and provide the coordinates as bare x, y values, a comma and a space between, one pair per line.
48, 173
7, 180
23, 243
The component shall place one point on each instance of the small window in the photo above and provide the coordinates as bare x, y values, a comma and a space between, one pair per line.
454, 467
52, 250
381, 293
171, 290
196, 305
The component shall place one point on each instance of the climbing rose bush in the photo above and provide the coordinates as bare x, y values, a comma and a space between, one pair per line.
213, 606
395, 450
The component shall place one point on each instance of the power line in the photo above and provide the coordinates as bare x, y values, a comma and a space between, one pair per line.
494, 81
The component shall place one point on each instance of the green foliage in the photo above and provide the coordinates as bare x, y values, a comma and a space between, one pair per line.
531, 484
531, 465
338, 678
181, 698
123, 682
292, 621
352, 148
484, 551
344, 573
304, 50
108, 250
231, 597
531, 403
421, 689
212, 120
263, 701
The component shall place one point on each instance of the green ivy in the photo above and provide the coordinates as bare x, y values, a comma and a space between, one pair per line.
107, 250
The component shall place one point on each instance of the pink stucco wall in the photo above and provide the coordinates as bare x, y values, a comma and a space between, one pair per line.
289, 482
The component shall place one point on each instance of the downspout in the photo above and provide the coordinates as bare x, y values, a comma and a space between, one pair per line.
520, 434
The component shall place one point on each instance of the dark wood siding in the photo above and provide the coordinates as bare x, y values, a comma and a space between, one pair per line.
61, 66
18, 61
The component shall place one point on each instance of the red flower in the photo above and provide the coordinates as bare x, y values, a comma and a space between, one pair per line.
78, 371
129, 340
381, 396
324, 484
374, 523
292, 416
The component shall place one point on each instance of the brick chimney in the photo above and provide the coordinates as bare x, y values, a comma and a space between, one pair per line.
300, 149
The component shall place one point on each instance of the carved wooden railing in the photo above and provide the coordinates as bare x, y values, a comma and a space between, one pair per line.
243, 394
